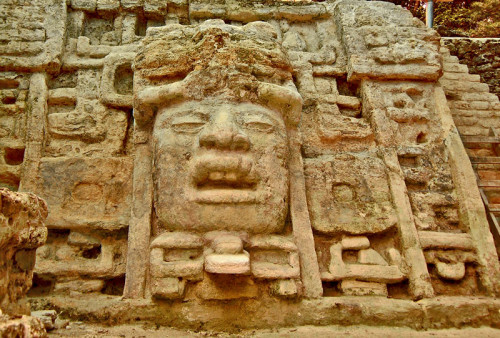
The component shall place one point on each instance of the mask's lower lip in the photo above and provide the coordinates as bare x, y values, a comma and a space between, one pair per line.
225, 185
226, 196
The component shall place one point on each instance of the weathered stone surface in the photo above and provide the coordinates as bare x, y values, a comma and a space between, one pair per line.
357, 288
409, 51
48, 318
355, 189
233, 161
34, 34
481, 57
97, 187
22, 217
25, 326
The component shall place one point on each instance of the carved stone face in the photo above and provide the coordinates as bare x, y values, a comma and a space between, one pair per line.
220, 165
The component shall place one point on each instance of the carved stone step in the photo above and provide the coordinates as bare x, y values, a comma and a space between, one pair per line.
480, 139
489, 184
485, 160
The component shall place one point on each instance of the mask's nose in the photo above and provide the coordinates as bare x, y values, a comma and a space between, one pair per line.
222, 133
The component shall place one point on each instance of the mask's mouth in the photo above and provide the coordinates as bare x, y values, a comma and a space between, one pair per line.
224, 178
215, 171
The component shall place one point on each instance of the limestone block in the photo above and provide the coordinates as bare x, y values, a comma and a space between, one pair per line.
357, 288
247, 12
157, 7
177, 240
403, 114
85, 49
35, 34
86, 5
410, 52
394, 257
231, 264
82, 240
188, 266
488, 97
71, 262
75, 125
284, 288
271, 242
225, 287
368, 273
168, 288
108, 5
451, 271
355, 243
47, 317
98, 188
62, 96
132, 4
442, 240
273, 257
128, 29
371, 257
455, 68
337, 123
354, 189
78, 285
432, 210
227, 245
275, 264
89, 128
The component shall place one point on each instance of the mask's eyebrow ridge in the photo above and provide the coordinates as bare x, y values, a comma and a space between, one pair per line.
190, 111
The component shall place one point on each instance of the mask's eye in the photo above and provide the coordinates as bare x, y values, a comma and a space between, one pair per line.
189, 124
258, 123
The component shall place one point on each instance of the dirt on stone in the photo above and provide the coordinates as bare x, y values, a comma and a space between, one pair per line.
78, 329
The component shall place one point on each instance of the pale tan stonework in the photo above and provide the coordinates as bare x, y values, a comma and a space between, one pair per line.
245, 163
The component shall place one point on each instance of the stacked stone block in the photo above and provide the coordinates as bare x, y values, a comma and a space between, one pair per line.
475, 110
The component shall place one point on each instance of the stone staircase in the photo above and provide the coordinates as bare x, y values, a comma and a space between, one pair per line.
476, 113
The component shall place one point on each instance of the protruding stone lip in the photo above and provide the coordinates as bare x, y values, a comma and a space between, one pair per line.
227, 196
223, 178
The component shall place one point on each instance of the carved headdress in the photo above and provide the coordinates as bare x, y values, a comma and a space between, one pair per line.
214, 59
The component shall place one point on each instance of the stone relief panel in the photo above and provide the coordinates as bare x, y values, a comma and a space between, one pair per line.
383, 40
413, 128
14, 94
285, 149
79, 157
349, 193
32, 35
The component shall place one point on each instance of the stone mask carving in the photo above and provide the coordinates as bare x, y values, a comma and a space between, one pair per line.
220, 166
219, 137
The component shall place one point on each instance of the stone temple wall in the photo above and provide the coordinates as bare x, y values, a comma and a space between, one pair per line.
198, 153
481, 55
475, 109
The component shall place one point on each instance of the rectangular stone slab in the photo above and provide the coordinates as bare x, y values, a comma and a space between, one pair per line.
83, 192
